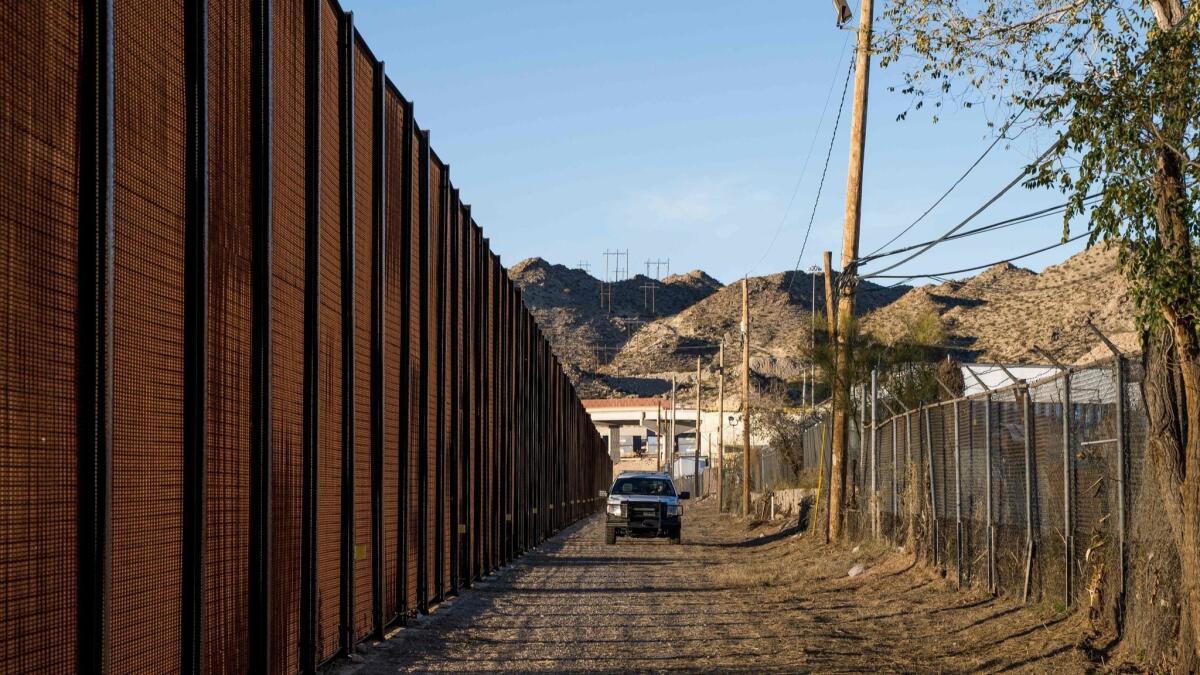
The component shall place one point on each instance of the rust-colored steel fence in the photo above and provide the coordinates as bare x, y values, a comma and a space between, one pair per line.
266, 391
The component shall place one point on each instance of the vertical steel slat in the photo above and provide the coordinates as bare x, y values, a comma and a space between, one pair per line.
423, 399
93, 416
379, 138
452, 305
346, 190
312, 276
195, 337
260, 367
406, 393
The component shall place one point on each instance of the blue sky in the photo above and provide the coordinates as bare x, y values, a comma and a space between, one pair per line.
679, 129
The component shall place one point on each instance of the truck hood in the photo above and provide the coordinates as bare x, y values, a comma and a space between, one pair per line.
658, 499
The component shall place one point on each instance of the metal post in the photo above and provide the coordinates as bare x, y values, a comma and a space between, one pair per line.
958, 527
932, 490
1068, 491
312, 237
1026, 419
259, 587
93, 346
895, 495
1122, 452
987, 473
195, 335
874, 452
346, 198
1122, 449
406, 368
423, 218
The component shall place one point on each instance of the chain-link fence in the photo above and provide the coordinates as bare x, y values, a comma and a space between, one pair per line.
1038, 489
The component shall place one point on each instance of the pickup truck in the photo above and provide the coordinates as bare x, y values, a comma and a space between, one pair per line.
643, 504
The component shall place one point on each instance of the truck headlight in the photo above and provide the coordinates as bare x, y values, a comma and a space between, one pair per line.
616, 509
674, 510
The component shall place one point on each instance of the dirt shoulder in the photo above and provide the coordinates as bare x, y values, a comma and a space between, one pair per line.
729, 600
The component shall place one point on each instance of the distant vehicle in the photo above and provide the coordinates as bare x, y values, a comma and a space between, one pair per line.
643, 504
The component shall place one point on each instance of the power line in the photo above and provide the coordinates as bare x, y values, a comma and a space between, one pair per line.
1001, 136
1011, 184
804, 168
983, 229
821, 185
979, 267
945, 194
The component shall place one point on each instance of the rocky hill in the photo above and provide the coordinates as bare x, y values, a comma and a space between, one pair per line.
630, 351
585, 333
999, 314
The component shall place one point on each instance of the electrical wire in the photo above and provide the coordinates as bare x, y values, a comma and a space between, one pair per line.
983, 229
804, 168
999, 137
979, 267
821, 185
996, 197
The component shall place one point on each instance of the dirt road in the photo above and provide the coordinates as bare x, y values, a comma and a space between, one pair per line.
729, 599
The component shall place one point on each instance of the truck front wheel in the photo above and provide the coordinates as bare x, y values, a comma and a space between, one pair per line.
610, 535
676, 536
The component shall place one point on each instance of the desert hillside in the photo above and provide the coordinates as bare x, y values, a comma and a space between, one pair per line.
994, 316
999, 314
566, 304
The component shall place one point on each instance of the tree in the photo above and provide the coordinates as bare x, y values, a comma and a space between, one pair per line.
1116, 86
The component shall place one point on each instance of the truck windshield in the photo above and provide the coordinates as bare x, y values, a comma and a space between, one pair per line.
657, 487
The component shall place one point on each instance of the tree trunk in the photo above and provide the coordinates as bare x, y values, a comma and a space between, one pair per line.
1173, 446
1172, 394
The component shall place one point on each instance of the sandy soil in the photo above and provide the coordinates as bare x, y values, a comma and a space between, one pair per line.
731, 598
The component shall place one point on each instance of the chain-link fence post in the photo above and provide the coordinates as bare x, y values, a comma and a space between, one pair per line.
932, 489
874, 454
1027, 434
894, 482
1068, 492
1122, 448
958, 528
987, 463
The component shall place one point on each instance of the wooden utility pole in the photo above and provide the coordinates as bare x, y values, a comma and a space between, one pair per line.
850, 231
720, 429
696, 464
831, 328
745, 397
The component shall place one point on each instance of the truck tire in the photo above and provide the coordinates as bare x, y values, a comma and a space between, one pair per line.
610, 535
676, 536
